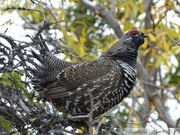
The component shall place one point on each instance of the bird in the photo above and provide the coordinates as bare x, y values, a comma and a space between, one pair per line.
93, 86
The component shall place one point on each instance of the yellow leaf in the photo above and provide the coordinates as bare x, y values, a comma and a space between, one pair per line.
74, 0
136, 126
145, 45
94, 130
61, 14
82, 40
96, 42
165, 46
36, 17
175, 49
158, 62
81, 50
137, 92
83, 31
80, 131
128, 27
74, 37
165, 57
103, 120
160, 35
131, 110
152, 37
26, 13
148, 30
150, 65
145, 51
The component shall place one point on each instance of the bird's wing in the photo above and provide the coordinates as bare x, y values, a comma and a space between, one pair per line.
74, 78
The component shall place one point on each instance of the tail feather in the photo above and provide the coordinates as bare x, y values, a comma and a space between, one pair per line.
48, 68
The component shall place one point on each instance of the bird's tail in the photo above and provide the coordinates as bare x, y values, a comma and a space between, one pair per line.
48, 67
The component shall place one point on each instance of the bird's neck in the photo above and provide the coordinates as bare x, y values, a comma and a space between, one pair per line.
125, 55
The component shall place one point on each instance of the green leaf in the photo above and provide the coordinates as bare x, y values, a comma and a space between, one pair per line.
5, 124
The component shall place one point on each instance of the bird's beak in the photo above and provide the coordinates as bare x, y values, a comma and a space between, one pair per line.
145, 36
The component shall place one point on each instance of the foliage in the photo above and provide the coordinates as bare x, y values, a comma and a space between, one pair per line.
81, 32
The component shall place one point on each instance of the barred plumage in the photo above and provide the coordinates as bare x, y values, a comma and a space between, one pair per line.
73, 87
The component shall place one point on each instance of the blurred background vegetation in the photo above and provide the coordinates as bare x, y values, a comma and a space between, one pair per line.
83, 31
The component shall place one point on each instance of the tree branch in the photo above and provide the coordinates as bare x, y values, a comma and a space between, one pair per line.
148, 18
154, 96
106, 15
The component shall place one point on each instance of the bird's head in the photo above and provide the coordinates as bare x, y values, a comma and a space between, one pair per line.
133, 38
131, 41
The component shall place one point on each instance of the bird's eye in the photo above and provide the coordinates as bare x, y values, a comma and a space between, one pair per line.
134, 32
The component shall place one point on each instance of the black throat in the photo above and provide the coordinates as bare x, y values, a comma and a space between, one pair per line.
129, 56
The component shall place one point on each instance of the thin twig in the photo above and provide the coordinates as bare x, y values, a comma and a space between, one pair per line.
176, 42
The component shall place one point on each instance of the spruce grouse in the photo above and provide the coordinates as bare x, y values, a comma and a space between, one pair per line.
73, 87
